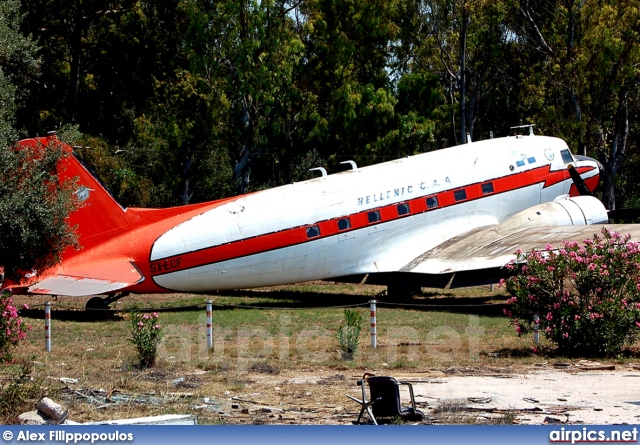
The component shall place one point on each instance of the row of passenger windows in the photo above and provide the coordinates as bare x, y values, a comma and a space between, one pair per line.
402, 209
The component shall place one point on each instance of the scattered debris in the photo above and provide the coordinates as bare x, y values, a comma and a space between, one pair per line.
32, 418
479, 399
551, 420
52, 410
166, 419
68, 380
594, 366
47, 412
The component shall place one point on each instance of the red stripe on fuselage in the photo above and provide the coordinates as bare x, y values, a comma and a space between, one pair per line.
297, 235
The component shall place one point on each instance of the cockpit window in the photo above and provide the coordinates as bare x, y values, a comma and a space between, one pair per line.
566, 156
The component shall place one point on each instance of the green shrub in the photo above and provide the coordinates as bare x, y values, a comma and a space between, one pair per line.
587, 296
349, 332
145, 335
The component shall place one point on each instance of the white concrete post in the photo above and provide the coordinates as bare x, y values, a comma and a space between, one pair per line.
47, 326
536, 329
374, 339
209, 325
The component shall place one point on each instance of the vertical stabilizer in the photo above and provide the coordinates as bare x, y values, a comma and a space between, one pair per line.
99, 215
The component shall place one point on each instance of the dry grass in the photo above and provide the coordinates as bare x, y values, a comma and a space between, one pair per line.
276, 364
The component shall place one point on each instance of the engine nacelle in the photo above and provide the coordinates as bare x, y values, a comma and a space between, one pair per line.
565, 211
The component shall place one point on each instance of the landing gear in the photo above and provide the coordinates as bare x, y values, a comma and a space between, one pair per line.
102, 303
96, 303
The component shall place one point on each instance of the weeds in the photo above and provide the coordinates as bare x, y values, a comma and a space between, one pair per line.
349, 333
19, 390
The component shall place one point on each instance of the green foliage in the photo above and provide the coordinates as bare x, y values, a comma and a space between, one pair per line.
586, 297
34, 206
349, 332
146, 334
18, 66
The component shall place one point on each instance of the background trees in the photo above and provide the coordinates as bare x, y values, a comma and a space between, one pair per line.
33, 203
180, 101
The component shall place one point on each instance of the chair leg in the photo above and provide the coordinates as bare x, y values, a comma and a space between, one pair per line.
364, 405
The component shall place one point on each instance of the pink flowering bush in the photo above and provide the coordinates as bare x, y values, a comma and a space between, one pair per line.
146, 334
586, 296
12, 328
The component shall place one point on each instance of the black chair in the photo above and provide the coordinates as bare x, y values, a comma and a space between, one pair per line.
384, 400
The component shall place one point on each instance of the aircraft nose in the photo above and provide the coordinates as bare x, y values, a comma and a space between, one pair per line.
590, 169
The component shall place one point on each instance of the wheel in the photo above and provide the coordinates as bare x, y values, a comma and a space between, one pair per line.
96, 303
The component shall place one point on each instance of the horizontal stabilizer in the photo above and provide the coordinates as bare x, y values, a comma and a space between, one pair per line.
90, 279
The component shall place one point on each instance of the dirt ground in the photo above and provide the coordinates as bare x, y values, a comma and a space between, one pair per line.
576, 392
580, 393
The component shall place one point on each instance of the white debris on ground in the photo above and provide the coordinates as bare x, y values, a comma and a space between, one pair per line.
47, 412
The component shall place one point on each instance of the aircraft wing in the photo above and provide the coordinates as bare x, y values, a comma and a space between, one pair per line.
99, 277
491, 248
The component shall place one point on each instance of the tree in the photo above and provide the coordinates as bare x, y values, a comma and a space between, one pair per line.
584, 75
18, 66
34, 206
33, 203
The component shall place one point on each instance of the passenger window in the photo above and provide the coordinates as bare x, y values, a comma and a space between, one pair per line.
487, 188
374, 216
344, 224
460, 195
566, 156
403, 208
313, 231
432, 202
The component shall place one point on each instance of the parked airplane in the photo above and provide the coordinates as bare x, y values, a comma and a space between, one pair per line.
443, 218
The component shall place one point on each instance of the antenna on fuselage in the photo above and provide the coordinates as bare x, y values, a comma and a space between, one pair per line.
529, 126
351, 163
320, 169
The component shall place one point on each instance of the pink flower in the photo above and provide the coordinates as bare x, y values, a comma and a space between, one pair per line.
549, 316
25, 306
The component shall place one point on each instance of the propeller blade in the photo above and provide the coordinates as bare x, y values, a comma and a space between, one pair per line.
578, 181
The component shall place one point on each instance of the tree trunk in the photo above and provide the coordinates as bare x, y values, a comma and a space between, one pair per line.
463, 75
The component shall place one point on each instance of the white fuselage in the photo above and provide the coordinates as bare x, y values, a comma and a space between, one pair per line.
298, 232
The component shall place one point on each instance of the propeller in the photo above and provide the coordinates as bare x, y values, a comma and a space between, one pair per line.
583, 190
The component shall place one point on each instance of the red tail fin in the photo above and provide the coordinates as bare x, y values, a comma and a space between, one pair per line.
100, 215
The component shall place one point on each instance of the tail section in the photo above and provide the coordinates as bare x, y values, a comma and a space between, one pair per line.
99, 215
